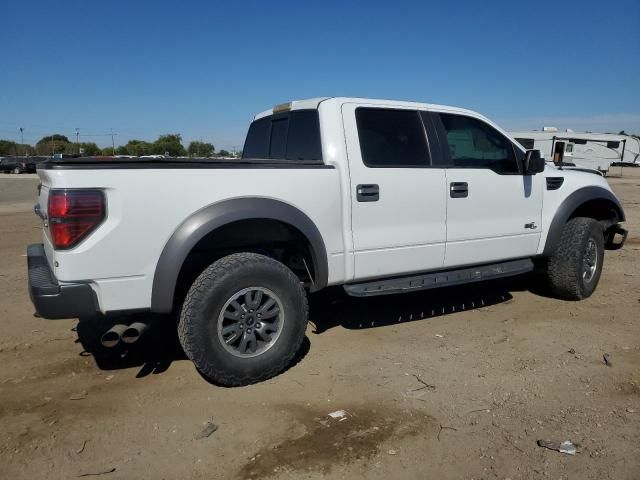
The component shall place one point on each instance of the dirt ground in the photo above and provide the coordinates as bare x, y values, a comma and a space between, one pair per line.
451, 384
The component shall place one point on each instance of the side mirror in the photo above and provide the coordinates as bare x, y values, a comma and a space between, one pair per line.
533, 162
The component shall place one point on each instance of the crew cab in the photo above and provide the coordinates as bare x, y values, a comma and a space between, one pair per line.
377, 196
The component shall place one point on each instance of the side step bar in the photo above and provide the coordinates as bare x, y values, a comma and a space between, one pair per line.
439, 279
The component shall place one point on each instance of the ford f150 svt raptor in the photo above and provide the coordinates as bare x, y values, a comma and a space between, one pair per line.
379, 196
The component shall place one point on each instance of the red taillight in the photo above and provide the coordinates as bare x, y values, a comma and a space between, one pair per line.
73, 214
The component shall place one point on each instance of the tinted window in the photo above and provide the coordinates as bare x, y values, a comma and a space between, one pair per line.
474, 144
278, 146
527, 143
391, 138
303, 141
292, 135
257, 143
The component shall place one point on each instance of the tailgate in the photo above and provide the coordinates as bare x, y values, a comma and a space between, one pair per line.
40, 209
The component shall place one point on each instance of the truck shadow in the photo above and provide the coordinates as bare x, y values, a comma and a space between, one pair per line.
155, 352
333, 307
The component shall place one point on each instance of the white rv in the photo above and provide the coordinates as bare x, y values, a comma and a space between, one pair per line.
590, 150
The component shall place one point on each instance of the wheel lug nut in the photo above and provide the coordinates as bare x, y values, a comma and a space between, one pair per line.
241, 316
259, 315
258, 325
248, 330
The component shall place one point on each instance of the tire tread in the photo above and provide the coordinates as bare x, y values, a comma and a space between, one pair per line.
564, 264
194, 302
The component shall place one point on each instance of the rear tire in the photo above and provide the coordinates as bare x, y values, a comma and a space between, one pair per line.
222, 330
574, 268
16, 170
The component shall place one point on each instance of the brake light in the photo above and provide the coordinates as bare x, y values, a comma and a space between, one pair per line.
74, 214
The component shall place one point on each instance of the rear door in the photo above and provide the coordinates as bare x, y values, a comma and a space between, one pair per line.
493, 210
398, 197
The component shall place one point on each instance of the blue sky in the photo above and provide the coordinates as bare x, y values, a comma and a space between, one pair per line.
203, 69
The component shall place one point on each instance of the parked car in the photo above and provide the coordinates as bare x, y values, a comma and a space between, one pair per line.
19, 164
381, 197
10, 165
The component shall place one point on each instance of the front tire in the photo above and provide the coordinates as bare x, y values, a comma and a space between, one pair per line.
244, 319
574, 268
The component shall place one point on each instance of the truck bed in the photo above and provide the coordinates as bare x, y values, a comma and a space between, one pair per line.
147, 200
96, 163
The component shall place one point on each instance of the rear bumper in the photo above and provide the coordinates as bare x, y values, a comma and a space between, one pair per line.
52, 299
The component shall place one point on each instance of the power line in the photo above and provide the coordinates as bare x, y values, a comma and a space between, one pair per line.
37, 135
97, 134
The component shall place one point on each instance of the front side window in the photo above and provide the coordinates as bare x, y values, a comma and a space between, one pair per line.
391, 138
527, 143
291, 135
474, 144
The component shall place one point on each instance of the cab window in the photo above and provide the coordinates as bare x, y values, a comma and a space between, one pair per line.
474, 144
391, 138
291, 135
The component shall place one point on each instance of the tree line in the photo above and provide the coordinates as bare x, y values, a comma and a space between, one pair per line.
168, 144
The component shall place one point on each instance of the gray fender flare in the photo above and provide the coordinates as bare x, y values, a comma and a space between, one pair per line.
208, 219
570, 204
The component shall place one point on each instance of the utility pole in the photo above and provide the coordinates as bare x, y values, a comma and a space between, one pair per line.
77, 143
113, 143
22, 140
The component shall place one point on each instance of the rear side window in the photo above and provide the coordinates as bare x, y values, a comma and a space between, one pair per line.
285, 136
475, 144
391, 138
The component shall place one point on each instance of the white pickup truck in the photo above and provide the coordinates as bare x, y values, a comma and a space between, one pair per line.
379, 196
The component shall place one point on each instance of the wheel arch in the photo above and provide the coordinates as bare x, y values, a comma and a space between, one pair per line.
216, 216
595, 202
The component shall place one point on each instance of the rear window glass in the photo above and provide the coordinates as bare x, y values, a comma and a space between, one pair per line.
285, 136
257, 143
278, 146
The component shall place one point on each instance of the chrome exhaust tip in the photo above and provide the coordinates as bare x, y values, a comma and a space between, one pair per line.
133, 333
112, 337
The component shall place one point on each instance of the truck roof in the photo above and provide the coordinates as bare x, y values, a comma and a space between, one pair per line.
315, 102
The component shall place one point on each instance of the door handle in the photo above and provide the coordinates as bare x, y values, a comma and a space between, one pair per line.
368, 193
458, 190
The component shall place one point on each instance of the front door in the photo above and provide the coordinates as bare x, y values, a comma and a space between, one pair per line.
493, 210
398, 199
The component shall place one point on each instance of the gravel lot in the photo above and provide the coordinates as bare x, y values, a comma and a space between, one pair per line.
458, 383
17, 192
